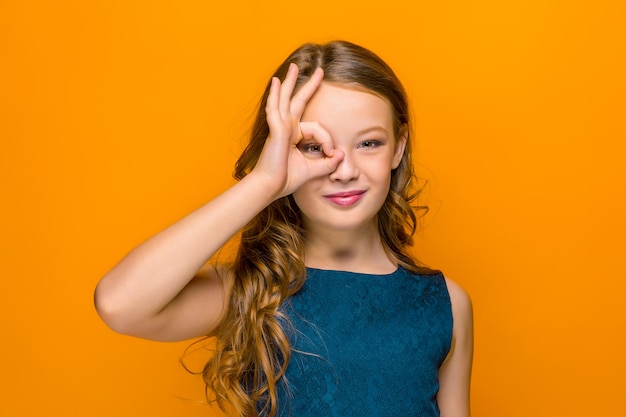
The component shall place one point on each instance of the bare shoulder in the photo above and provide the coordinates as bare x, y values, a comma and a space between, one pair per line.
462, 317
455, 373
460, 300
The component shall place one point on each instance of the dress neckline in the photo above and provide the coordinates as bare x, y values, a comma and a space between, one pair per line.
353, 273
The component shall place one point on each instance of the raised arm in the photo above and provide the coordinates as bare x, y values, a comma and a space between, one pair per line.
158, 291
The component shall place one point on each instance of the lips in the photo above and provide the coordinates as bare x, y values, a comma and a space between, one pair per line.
346, 198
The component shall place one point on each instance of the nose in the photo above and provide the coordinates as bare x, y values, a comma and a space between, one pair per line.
347, 170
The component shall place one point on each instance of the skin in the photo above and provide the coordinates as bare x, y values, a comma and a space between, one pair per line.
346, 236
162, 289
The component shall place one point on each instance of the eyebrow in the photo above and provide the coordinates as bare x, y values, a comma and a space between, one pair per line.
372, 129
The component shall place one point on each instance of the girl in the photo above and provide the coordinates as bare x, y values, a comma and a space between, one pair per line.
323, 311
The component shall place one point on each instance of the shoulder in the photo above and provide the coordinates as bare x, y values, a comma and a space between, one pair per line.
462, 316
462, 312
459, 298
455, 372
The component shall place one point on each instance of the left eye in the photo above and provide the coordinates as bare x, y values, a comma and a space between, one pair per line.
369, 144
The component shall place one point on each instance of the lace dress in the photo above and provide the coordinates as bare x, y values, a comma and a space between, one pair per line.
366, 345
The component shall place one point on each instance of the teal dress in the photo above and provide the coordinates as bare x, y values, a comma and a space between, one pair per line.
366, 345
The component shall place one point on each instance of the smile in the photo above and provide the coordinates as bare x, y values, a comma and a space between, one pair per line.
347, 198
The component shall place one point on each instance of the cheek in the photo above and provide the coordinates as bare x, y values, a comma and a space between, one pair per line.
304, 195
380, 171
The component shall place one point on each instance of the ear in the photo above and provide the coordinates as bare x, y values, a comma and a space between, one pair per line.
400, 146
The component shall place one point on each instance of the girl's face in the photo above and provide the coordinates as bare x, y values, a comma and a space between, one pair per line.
361, 125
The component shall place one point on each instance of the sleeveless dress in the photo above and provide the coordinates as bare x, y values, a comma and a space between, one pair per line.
366, 345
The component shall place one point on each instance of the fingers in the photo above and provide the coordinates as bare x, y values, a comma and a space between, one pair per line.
317, 146
281, 93
315, 133
326, 166
273, 117
302, 97
286, 90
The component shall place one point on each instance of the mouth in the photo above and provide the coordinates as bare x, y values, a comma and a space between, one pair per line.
346, 198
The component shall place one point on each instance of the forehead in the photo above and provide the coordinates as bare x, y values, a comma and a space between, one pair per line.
341, 106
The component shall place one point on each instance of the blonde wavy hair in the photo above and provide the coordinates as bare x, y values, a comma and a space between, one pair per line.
253, 350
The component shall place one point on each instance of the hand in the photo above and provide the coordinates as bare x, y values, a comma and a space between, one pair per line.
281, 162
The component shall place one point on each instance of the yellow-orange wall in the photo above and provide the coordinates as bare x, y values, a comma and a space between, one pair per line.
117, 117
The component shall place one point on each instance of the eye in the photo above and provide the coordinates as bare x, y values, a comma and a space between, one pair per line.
369, 144
310, 148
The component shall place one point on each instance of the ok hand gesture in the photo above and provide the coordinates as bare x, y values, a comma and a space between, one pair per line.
281, 163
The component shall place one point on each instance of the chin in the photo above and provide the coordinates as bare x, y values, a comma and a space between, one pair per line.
340, 225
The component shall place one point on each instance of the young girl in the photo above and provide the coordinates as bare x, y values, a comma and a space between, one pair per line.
323, 311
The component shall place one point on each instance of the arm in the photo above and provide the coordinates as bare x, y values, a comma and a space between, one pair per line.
455, 373
158, 290
151, 294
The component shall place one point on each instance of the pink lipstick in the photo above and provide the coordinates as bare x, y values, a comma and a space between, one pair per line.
346, 198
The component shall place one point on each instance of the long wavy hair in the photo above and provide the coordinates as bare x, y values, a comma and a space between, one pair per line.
253, 350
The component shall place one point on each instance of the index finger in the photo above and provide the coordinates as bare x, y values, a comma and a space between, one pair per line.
302, 97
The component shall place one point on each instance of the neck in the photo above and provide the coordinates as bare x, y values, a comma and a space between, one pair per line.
348, 250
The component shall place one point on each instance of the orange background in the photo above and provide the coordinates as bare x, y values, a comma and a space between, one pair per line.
118, 117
